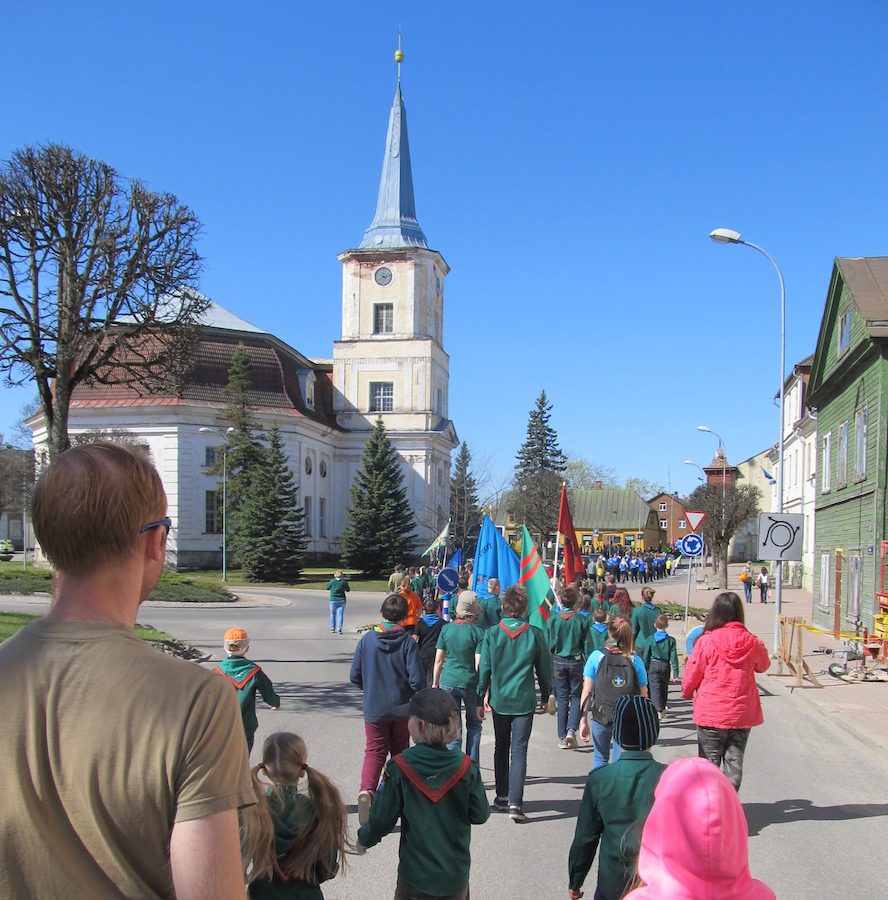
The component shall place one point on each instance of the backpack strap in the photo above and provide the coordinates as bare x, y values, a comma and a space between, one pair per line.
434, 794
239, 685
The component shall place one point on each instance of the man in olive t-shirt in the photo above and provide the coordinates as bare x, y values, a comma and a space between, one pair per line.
123, 768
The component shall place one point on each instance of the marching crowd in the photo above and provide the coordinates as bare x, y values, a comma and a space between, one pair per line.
130, 776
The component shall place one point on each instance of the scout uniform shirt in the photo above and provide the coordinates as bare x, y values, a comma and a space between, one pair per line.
247, 678
661, 645
643, 619
568, 633
438, 795
460, 640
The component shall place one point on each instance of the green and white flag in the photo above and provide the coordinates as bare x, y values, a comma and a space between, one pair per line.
440, 540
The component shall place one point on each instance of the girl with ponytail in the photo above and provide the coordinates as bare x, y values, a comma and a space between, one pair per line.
299, 839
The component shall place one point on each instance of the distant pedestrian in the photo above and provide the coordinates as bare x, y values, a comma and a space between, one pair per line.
720, 676
762, 582
338, 588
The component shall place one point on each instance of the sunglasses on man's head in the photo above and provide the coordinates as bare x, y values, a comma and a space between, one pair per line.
167, 523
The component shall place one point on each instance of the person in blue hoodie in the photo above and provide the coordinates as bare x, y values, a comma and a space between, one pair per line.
426, 636
597, 637
388, 669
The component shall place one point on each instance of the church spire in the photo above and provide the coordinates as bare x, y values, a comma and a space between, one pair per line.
394, 224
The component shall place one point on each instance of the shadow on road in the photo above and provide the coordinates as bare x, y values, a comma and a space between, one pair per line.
337, 698
780, 812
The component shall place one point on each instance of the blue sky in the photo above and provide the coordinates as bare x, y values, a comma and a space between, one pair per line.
569, 161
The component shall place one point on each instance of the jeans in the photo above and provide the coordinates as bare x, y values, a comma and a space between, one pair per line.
658, 683
383, 739
336, 608
511, 736
747, 590
466, 697
601, 743
724, 747
568, 674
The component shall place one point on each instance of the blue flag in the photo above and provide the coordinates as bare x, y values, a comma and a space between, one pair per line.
455, 561
494, 558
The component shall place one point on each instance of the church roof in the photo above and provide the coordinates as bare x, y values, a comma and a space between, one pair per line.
395, 225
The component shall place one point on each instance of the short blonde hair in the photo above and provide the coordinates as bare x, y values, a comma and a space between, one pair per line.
439, 735
91, 503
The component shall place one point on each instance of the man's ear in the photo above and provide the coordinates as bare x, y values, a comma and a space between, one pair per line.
155, 543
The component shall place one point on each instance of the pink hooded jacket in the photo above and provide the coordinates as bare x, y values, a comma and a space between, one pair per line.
695, 841
721, 669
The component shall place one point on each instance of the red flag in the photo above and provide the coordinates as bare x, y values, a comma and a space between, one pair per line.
573, 559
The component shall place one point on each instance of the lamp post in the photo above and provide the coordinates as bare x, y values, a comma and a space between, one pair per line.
721, 446
690, 462
727, 236
229, 430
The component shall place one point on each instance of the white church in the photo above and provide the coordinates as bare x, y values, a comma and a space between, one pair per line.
390, 361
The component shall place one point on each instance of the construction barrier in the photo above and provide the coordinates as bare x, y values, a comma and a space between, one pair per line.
790, 652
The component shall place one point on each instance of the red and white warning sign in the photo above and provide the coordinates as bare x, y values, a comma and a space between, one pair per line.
694, 517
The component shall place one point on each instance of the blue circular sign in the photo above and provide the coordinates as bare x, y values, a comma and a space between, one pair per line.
692, 545
448, 580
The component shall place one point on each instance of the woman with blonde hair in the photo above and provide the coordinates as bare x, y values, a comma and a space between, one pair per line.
296, 840
611, 673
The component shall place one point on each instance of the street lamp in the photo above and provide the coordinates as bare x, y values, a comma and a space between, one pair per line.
689, 462
727, 236
229, 430
721, 446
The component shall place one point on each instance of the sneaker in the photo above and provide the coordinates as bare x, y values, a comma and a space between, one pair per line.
516, 815
564, 745
340, 631
500, 803
365, 799
551, 706
571, 741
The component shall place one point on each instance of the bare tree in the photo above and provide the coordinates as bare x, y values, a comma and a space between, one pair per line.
644, 488
98, 280
582, 475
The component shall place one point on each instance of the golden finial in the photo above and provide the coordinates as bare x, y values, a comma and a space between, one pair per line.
399, 56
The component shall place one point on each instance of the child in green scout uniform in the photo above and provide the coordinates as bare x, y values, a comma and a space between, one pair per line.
246, 678
438, 794
644, 617
568, 634
455, 672
510, 654
616, 801
658, 654
597, 632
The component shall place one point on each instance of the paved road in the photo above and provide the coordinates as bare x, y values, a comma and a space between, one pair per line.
814, 797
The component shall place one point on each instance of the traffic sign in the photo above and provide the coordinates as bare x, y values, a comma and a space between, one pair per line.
692, 545
448, 580
780, 536
694, 517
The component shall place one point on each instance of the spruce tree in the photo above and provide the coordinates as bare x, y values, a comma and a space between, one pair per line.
539, 472
465, 514
379, 531
268, 528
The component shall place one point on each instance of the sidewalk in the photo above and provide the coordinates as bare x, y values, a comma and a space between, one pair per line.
859, 707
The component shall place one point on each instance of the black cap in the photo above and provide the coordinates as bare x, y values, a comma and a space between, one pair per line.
430, 704
636, 723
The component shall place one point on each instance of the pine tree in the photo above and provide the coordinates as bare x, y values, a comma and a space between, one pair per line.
379, 531
268, 528
539, 472
465, 514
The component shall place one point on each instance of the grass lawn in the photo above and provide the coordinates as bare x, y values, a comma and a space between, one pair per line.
10, 623
313, 578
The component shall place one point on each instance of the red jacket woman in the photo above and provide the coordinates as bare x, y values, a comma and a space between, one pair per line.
720, 676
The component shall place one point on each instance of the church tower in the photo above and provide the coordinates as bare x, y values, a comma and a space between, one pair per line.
391, 360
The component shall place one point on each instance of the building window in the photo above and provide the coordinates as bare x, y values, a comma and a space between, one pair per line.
860, 445
662, 506
383, 318
824, 465
310, 395
440, 402
213, 523
322, 468
382, 396
322, 517
682, 524
824, 580
855, 582
306, 509
308, 465
844, 331
210, 456
663, 523
842, 467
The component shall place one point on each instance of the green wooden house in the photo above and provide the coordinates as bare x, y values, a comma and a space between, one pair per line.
848, 393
